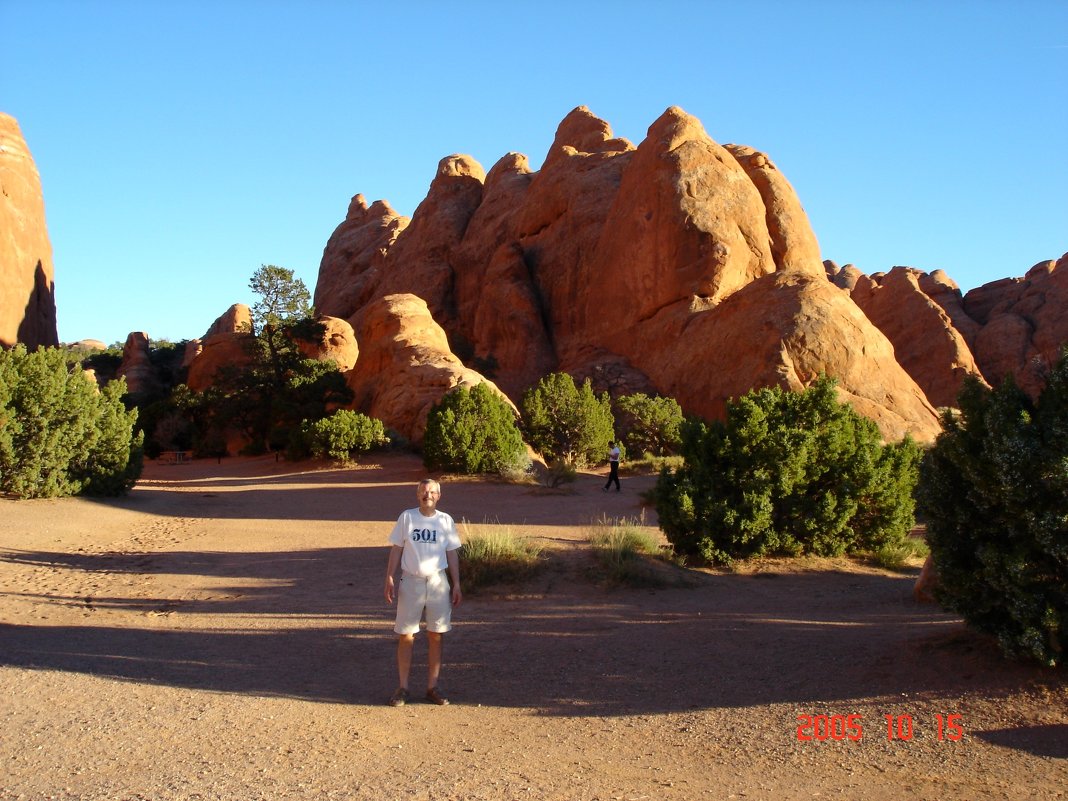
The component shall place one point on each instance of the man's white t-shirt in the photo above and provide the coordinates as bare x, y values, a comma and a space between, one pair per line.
425, 541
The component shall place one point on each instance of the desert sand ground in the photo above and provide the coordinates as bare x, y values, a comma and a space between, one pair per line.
220, 633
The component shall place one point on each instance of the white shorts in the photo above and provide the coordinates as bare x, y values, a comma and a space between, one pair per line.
417, 594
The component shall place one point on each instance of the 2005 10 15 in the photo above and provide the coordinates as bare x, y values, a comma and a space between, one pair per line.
851, 727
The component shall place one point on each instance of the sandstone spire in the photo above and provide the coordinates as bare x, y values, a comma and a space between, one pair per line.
27, 303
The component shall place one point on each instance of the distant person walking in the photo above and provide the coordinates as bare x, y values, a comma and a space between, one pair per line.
613, 466
424, 545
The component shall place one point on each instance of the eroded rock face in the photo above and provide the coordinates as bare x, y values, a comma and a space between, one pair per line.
687, 222
926, 342
785, 329
843, 277
421, 260
405, 365
337, 344
136, 366
1024, 324
944, 291
679, 266
793, 242
1009, 327
498, 325
560, 224
27, 302
235, 320
226, 343
354, 257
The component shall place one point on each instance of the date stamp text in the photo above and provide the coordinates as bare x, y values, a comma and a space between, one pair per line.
819, 728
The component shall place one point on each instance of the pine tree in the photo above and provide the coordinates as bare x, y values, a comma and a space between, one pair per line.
59, 435
787, 473
566, 423
649, 424
473, 431
995, 496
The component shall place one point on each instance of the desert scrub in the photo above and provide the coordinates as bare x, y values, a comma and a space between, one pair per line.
648, 464
557, 474
496, 555
897, 555
627, 553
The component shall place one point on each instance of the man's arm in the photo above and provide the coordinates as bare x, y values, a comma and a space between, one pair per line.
453, 558
395, 552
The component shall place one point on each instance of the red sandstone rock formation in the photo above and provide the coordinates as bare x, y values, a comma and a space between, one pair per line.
354, 257
1024, 324
926, 342
1012, 326
560, 223
27, 302
924, 588
405, 365
623, 263
843, 277
136, 367
784, 329
225, 343
687, 226
337, 344
235, 320
499, 323
944, 291
793, 242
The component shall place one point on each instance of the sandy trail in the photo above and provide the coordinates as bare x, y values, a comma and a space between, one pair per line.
220, 634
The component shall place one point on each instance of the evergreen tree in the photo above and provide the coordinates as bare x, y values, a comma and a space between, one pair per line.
283, 299
995, 497
267, 399
59, 435
649, 424
473, 431
566, 423
339, 436
788, 473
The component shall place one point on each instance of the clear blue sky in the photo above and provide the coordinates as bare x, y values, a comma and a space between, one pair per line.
183, 144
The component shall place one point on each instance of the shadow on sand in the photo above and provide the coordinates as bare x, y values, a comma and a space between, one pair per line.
323, 633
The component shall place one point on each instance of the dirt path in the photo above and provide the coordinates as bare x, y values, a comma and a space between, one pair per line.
220, 634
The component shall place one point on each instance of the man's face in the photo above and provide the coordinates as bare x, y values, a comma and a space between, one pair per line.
428, 495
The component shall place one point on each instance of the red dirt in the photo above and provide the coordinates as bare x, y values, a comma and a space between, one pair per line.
220, 633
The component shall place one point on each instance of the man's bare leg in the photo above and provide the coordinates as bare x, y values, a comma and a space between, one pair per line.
405, 644
434, 650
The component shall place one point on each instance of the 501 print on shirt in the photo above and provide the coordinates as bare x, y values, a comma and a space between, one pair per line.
424, 535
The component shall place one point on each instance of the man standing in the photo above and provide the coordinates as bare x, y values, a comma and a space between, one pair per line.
613, 466
424, 546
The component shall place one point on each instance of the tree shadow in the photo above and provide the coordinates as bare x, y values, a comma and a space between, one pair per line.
1046, 741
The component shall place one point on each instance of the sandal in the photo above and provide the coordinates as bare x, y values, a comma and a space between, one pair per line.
399, 697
